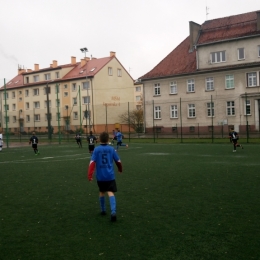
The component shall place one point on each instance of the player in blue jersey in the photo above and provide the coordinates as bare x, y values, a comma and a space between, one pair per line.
234, 137
34, 141
91, 139
114, 137
102, 159
119, 137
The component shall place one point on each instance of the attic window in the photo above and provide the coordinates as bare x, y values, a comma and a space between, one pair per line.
10, 82
81, 71
16, 81
92, 69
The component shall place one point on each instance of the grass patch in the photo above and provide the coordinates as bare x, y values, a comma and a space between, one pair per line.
175, 201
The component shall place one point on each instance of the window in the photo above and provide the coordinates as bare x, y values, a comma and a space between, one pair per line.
252, 79
47, 76
192, 128
119, 72
36, 78
57, 89
46, 117
247, 107
45, 103
20, 92
65, 86
14, 119
74, 100
110, 71
27, 80
137, 98
241, 53
74, 87
174, 129
36, 104
27, 106
37, 118
191, 111
66, 107
45, 90
75, 115
86, 100
157, 89
27, 118
6, 119
14, 107
85, 85
174, 111
57, 116
173, 87
57, 102
20, 99
191, 85
230, 108
210, 109
36, 92
229, 81
57, 75
209, 83
138, 89
217, 57
27, 93
66, 94
13, 94
5, 95
258, 50
157, 112
6, 107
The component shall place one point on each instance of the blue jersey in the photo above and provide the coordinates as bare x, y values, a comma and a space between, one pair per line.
104, 156
119, 136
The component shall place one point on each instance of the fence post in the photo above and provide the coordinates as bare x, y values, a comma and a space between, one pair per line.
58, 113
247, 133
6, 122
212, 127
153, 123
181, 120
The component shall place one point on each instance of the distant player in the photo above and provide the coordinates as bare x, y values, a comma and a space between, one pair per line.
119, 137
34, 141
233, 136
102, 159
114, 137
1, 141
91, 139
78, 140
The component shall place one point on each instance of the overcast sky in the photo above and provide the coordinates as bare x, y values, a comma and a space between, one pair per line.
141, 32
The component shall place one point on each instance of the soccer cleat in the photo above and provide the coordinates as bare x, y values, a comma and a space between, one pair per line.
103, 213
38, 153
234, 151
113, 217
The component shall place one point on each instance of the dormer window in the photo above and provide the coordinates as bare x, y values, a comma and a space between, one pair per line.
241, 53
217, 57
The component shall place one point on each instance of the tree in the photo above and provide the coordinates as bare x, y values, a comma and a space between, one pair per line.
135, 117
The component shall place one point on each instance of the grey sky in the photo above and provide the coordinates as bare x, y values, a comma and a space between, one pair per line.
141, 32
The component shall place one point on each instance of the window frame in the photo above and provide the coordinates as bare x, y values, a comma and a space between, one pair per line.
191, 111
75, 115
190, 85
247, 106
228, 80
210, 109
157, 89
37, 91
119, 72
34, 104
217, 56
27, 118
174, 111
157, 112
36, 78
209, 83
37, 117
83, 100
241, 54
27, 92
110, 71
173, 85
47, 76
231, 111
251, 78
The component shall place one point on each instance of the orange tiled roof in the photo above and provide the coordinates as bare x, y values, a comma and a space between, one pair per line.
180, 61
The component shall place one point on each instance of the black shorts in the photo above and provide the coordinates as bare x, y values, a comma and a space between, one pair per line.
119, 143
91, 148
234, 141
107, 186
115, 138
34, 146
78, 141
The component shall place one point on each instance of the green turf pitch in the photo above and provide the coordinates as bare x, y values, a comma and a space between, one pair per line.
174, 201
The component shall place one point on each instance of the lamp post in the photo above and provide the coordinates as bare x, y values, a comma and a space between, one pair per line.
87, 112
47, 89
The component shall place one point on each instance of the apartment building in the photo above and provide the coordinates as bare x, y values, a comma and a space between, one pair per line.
210, 80
90, 94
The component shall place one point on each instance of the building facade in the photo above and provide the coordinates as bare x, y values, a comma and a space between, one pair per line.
89, 94
210, 81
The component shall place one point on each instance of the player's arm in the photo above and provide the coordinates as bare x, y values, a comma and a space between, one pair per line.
119, 166
91, 170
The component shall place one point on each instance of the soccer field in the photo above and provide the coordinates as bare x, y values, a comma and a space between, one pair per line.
174, 201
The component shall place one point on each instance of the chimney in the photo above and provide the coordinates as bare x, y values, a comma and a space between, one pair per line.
87, 59
54, 64
29, 70
20, 71
83, 62
258, 20
36, 67
112, 54
51, 65
73, 60
194, 34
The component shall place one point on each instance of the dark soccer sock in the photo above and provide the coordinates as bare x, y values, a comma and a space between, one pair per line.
35, 151
102, 203
112, 201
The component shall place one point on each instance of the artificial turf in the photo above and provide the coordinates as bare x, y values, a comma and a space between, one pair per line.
174, 201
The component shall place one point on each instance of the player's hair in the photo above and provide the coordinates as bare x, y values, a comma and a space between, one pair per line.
90, 132
104, 137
